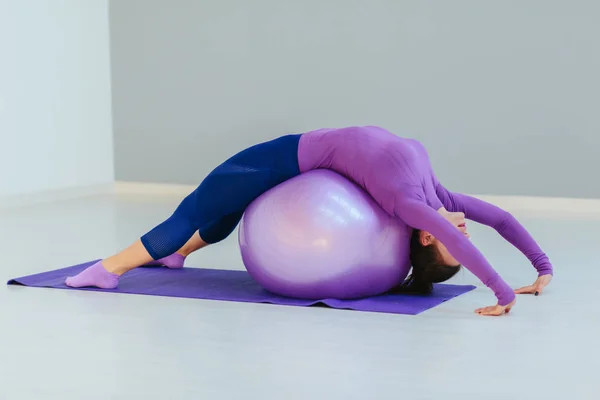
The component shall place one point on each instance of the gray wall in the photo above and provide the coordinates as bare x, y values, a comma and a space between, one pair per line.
504, 94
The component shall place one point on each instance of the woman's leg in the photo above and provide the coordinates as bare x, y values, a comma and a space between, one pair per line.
194, 244
129, 258
165, 239
177, 260
106, 273
207, 215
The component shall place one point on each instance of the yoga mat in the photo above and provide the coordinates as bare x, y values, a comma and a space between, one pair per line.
215, 284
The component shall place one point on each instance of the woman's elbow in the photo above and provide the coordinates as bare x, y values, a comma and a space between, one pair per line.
504, 221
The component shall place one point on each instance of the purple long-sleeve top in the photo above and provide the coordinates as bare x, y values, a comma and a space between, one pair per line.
397, 173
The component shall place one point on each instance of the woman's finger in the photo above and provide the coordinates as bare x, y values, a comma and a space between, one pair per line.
493, 311
525, 289
463, 229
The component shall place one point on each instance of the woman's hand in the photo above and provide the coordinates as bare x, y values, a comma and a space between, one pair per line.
496, 310
537, 287
457, 219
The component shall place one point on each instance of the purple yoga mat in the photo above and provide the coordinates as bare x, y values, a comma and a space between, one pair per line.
215, 284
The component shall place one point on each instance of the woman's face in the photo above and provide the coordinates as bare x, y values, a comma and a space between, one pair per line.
445, 254
427, 239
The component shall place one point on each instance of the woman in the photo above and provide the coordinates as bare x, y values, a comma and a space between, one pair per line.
395, 171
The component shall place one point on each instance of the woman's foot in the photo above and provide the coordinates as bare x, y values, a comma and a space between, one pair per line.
96, 276
175, 260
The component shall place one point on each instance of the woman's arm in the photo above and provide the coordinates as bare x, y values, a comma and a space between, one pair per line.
502, 221
419, 215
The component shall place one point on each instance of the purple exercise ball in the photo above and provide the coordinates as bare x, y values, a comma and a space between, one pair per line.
319, 235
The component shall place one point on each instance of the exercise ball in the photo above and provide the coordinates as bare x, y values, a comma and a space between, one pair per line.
319, 235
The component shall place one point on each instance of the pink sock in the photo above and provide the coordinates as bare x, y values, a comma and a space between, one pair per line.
175, 260
96, 275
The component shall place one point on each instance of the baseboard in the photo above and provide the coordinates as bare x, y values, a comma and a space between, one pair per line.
559, 206
518, 204
50, 196
156, 189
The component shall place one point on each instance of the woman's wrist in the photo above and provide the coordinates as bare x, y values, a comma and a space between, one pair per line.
504, 293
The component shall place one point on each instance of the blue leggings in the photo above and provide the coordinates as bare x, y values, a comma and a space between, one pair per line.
217, 205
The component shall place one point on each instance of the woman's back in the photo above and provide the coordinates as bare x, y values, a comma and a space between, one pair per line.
383, 164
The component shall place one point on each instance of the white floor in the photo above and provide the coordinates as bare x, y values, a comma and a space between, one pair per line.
58, 344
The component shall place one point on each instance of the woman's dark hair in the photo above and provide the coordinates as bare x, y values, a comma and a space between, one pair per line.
427, 267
